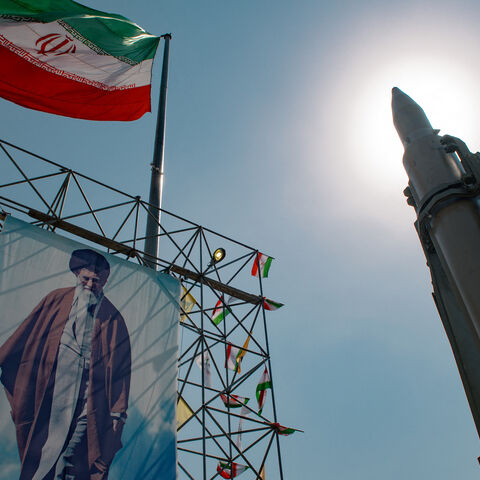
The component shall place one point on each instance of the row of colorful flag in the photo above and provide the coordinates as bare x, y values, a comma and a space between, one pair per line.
235, 401
222, 307
224, 468
232, 469
261, 266
233, 360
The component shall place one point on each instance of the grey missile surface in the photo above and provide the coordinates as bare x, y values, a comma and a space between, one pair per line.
445, 192
425, 160
408, 117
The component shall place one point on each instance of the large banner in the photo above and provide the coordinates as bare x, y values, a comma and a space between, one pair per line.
88, 358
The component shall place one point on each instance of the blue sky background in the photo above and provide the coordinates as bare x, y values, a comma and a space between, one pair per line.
279, 134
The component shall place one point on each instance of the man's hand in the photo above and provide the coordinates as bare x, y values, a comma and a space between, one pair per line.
117, 424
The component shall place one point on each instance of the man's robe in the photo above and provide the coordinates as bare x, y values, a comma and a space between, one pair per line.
28, 361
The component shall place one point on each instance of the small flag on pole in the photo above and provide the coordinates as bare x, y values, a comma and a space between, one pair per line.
264, 261
68, 59
231, 362
262, 473
271, 305
243, 412
221, 310
184, 412
242, 353
230, 470
281, 430
187, 302
262, 387
234, 401
205, 362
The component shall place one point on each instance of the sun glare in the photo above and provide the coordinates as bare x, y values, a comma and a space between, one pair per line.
445, 94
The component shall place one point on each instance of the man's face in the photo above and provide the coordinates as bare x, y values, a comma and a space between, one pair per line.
92, 281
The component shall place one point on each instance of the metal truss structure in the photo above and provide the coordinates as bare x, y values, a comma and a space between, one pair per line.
210, 428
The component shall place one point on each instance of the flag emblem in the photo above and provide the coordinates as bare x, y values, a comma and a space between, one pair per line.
55, 44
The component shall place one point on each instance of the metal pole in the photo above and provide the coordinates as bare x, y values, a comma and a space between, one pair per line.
269, 368
156, 182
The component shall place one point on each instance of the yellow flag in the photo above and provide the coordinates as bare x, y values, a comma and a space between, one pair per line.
184, 412
262, 473
187, 302
242, 353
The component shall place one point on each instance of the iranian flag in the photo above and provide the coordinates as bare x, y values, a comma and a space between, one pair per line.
233, 401
61, 57
221, 310
281, 430
263, 384
230, 470
264, 261
271, 305
233, 359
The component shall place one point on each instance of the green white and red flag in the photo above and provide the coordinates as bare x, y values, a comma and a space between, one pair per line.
60, 57
221, 310
262, 387
234, 358
271, 305
230, 470
281, 430
261, 264
234, 401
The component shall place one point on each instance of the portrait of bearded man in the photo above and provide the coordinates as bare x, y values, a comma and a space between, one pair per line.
66, 373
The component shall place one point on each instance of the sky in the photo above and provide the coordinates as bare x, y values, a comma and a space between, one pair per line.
279, 134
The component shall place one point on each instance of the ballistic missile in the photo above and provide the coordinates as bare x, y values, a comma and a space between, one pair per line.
444, 188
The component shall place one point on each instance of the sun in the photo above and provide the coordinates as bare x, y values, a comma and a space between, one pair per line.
445, 94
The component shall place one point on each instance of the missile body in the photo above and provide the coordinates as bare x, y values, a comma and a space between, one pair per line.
446, 198
454, 224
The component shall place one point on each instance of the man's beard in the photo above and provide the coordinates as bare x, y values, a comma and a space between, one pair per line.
85, 296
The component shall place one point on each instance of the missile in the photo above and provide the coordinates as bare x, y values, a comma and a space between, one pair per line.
444, 188
425, 160
443, 202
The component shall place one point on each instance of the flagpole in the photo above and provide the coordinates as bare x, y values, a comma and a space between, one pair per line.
156, 182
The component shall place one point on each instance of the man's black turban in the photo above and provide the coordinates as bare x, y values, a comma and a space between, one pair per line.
90, 260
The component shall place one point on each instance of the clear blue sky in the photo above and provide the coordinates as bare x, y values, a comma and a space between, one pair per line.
279, 133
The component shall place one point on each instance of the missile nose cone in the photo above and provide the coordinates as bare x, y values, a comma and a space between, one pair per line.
408, 117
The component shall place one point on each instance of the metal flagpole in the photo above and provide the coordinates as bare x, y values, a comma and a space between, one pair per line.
156, 182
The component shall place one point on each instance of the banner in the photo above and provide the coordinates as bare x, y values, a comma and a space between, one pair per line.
88, 358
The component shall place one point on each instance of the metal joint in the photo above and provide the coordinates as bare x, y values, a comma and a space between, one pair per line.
443, 196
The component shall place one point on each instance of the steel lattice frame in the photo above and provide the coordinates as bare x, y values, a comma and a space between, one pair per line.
56, 197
